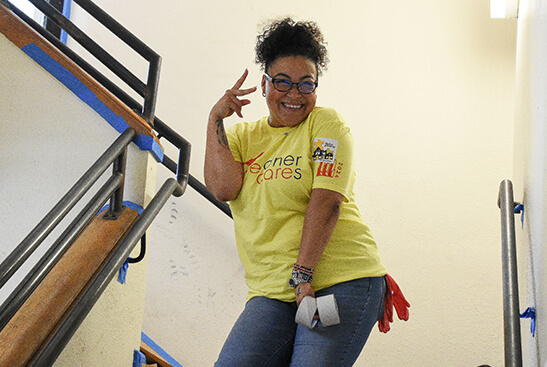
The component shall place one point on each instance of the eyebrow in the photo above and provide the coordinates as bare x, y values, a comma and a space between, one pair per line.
289, 78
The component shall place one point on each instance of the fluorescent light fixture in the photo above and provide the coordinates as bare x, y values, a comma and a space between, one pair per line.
504, 8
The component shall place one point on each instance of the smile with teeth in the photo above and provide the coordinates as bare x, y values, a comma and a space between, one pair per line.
292, 106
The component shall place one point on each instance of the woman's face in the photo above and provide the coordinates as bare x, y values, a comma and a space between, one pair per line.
289, 108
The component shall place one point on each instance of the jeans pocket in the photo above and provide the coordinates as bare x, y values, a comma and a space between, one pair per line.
384, 292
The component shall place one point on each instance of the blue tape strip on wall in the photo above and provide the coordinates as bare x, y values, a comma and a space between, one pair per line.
159, 350
144, 142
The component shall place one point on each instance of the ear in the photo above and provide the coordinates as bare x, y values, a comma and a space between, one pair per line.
263, 85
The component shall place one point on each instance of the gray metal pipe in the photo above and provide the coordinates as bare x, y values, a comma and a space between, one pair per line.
24, 290
511, 313
31, 242
61, 337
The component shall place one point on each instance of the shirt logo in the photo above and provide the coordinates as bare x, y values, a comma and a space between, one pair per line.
324, 150
330, 169
276, 168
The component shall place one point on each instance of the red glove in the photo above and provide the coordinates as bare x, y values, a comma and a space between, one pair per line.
394, 297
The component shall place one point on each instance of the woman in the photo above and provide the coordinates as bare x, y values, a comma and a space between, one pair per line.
289, 179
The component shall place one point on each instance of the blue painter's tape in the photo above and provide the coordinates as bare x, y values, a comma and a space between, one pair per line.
159, 350
122, 273
530, 313
88, 97
136, 207
150, 144
520, 209
138, 358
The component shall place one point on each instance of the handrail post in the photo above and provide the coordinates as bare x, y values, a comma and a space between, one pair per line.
152, 83
511, 314
116, 207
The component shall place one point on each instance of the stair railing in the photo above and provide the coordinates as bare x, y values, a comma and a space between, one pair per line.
113, 189
146, 90
511, 313
81, 308
163, 130
70, 324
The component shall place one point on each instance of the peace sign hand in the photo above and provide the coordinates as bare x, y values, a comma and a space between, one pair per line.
230, 102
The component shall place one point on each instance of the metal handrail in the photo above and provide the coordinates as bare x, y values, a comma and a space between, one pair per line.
31, 242
70, 324
163, 130
56, 343
115, 155
148, 91
511, 314
33, 279
98, 284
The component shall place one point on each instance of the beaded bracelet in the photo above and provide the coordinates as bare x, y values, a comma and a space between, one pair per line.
300, 274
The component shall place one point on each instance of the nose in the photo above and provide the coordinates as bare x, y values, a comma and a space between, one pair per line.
294, 92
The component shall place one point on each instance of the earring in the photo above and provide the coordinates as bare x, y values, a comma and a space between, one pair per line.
263, 94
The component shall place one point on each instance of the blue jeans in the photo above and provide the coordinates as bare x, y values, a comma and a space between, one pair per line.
265, 334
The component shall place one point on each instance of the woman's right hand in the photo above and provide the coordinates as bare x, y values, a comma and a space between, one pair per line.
230, 102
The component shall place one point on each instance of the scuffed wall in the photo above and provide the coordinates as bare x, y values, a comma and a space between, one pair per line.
427, 88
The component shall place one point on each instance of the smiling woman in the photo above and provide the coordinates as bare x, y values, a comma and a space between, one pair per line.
290, 107
289, 179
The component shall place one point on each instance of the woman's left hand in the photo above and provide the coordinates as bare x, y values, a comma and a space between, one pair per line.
302, 290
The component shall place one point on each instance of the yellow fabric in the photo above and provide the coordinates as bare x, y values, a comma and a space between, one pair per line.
282, 166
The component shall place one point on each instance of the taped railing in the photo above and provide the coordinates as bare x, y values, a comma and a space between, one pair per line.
68, 327
163, 130
146, 90
511, 313
112, 189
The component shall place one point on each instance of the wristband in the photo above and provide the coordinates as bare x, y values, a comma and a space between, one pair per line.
300, 274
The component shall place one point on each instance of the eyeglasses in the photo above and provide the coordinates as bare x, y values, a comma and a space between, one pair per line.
284, 85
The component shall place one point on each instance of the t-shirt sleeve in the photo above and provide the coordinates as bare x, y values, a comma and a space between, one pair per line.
332, 155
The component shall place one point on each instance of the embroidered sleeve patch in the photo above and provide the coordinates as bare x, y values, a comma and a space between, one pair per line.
324, 150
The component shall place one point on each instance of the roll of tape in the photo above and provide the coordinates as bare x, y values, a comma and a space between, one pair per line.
326, 307
328, 310
306, 311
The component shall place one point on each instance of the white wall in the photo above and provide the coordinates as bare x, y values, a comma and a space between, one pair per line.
427, 87
531, 172
49, 138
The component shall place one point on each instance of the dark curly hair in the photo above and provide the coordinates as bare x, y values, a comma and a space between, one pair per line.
285, 37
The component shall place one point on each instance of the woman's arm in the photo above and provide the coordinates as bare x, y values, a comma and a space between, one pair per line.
223, 175
322, 214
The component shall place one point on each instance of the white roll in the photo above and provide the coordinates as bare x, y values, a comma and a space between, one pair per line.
306, 311
328, 310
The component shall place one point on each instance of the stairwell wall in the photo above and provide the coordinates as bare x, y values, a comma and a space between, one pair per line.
49, 139
530, 167
427, 88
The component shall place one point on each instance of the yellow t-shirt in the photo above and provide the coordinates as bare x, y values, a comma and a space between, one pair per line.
282, 166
